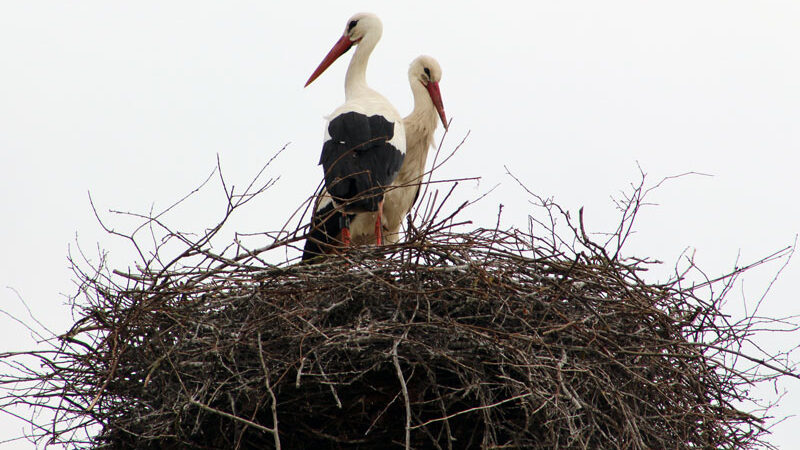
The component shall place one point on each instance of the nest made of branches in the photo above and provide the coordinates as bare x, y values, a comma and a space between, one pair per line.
488, 338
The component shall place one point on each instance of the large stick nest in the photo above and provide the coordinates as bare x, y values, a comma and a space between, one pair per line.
484, 339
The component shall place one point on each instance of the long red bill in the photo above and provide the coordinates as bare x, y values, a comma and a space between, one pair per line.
340, 48
436, 97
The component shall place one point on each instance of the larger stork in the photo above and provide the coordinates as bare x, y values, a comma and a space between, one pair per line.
365, 140
424, 75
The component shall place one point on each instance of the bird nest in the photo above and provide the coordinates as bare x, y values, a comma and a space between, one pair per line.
488, 338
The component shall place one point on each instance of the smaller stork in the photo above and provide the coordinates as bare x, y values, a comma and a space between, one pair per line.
424, 75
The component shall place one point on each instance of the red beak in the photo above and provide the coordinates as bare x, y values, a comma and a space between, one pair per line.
436, 97
340, 48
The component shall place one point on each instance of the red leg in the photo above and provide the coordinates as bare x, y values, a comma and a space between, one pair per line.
379, 224
345, 224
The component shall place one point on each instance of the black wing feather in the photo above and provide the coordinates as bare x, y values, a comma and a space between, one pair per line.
359, 161
326, 225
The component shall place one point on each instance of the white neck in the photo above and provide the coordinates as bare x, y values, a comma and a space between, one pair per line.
419, 127
355, 81
424, 113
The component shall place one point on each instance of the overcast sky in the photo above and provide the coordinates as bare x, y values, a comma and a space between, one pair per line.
133, 101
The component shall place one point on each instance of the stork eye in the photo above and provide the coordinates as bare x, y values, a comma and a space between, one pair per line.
427, 72
352, 25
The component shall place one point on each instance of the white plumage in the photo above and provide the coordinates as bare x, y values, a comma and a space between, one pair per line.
424, 75
364, 143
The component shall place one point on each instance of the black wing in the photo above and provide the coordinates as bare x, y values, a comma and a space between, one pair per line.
359, 161
326, 226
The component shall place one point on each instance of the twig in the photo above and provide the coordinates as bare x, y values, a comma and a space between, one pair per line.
232, 417
469, 410
404, 388
274, 404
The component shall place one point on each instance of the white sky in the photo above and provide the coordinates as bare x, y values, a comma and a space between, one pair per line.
132, 101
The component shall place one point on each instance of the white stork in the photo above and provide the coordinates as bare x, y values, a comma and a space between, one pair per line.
364, 139
424, 75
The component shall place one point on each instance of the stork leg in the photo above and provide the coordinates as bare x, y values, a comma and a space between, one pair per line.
345, 223
379, 224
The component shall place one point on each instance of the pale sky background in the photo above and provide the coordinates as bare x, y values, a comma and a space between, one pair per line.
132, 101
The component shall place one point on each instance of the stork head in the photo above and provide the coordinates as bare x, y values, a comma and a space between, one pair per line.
359, 27
426, 70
